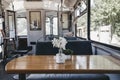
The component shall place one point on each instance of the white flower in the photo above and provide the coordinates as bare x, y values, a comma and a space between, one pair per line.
54, 42
60, 43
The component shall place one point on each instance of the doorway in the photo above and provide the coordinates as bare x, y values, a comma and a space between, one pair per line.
51, 24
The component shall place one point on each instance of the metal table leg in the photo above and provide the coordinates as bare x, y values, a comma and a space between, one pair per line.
22, 77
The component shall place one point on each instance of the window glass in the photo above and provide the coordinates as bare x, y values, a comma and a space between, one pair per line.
82, 26
55, 26
65, 20
47, 26
0, 33
77, 12
83, 6
105, 21
21, 26
51, 26
1, 23
81, 19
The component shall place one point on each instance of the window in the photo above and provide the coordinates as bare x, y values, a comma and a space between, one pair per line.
105, 21
83, 6
51, 26
77, 12
55, 26
1, 19
82, 26
11, 24
1, 33
47, 26
21, 26
65, 20
81, 19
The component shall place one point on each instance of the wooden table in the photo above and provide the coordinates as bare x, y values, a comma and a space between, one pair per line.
78, 64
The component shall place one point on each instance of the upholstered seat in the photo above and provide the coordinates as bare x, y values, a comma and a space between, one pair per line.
22, 51
22, 47
78, 47
67, 77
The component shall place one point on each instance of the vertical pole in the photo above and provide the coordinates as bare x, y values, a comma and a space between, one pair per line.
51, 25
88, 19
58, 14
75, 30
61, 17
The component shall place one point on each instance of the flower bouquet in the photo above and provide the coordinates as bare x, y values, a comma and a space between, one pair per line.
60, 43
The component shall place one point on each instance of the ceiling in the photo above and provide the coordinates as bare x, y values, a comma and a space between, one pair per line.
37, 4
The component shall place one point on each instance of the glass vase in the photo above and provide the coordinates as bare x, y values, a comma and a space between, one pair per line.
60, 56
60, 51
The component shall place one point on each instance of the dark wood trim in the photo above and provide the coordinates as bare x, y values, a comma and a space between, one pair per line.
70, 21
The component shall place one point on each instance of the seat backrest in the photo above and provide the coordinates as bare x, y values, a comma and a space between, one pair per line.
80, 47
70, 38
45, 48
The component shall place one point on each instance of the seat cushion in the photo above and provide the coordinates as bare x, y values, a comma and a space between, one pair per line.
67, 77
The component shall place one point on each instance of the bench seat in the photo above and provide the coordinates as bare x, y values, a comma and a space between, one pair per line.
78, 47
67, 77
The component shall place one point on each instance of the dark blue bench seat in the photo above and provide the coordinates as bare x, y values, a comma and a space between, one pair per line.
67, 77
78, 47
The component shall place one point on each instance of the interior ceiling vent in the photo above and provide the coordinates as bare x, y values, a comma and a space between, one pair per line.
33, 0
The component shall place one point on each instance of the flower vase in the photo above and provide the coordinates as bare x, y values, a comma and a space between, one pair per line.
60, 57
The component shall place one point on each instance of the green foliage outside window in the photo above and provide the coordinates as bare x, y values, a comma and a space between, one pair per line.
106, 12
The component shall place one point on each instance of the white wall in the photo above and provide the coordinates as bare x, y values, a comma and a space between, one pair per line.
34, 35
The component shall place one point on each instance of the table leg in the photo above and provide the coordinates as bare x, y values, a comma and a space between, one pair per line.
22, 77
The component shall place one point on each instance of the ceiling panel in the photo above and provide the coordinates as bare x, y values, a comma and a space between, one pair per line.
39, 4
33, 0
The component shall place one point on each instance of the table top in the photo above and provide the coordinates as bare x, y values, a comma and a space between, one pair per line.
77, 64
